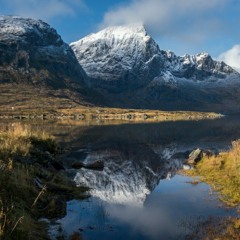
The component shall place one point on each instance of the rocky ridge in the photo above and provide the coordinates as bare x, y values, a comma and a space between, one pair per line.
32, 52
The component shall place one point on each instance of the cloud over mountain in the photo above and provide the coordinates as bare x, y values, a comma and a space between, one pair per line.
232, 57
184, 20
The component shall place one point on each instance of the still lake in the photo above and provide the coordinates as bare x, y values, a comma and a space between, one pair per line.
139, 193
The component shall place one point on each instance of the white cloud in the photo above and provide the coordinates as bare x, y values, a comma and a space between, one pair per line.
185, 20
232, 57
44, 9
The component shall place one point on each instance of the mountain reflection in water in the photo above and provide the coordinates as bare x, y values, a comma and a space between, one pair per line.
131, 197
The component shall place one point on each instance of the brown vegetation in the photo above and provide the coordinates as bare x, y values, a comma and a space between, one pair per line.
222, 172
21, 101
29, 189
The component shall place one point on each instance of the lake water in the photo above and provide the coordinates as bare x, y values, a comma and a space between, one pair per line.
139, 194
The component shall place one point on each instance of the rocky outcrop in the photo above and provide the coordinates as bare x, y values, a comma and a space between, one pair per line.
32, 52
195, 156
198, 154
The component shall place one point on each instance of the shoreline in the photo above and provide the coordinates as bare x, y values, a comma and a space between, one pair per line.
108, 114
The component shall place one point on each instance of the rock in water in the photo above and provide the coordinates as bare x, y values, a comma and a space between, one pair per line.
195, 156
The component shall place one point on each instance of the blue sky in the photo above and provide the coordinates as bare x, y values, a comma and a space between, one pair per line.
183, 26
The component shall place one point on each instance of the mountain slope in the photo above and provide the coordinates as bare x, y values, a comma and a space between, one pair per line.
32, 52
119, 58
128, 66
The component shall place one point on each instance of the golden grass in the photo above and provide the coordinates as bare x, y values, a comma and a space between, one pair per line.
16, 196
17, 190
22, 160
16, 139
222, 172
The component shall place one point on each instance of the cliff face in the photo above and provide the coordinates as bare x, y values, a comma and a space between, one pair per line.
32, 52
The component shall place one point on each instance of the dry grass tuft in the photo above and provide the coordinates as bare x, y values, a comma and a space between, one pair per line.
25, 156
17, 191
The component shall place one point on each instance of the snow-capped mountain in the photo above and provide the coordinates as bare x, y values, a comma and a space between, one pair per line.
127, 65
32, 52
196, 67
119, 57
128, 54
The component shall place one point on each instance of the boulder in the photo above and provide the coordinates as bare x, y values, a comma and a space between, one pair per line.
195, 156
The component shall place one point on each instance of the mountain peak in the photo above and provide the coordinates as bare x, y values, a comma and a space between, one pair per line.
133, 28
118, 33
116, 53
126, 57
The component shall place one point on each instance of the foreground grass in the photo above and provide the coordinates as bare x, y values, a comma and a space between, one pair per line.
222, 172
29, 187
